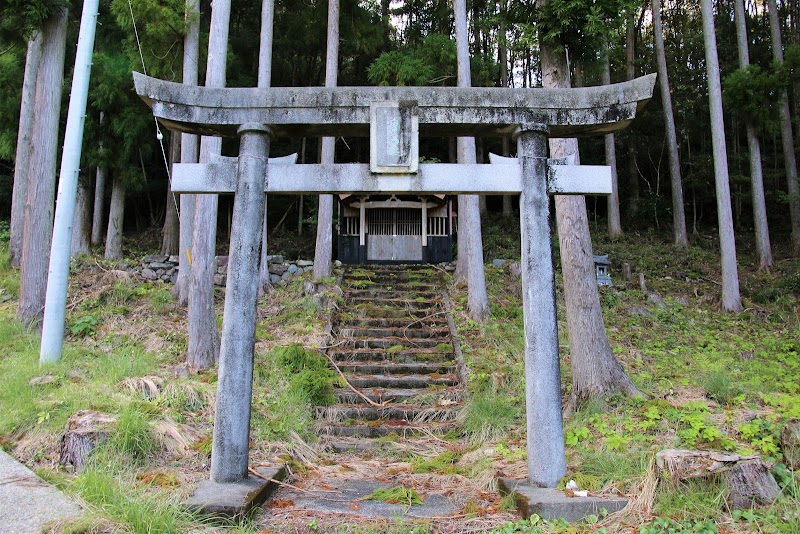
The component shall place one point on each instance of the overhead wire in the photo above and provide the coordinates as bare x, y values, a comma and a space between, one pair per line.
159, 133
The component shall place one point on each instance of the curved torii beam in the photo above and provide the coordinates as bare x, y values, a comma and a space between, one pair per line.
256, 115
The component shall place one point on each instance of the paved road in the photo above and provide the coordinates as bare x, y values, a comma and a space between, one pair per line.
26, 501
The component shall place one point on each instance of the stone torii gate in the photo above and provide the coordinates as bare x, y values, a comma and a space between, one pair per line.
393, 117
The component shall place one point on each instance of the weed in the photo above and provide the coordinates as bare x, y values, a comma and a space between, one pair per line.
396, 495
308, 372
443, 464
721, 387
84, 326
488, 416
132, 435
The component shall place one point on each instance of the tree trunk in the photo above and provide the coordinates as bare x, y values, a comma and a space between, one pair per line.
477, 297
323, 253
40, 190
116, 216
787, 136
763, 247
731, 300
84, 432
22, 158
81, 225
633, 171
614, 222
203, 334
265, 80
189, 153
97, 208
595, 370
678, 214
170, 234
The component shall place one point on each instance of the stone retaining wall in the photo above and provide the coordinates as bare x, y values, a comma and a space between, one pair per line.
160, 267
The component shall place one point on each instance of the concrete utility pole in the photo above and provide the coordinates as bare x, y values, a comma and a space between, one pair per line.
56, 297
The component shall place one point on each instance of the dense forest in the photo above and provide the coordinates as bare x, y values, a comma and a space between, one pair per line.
410, 43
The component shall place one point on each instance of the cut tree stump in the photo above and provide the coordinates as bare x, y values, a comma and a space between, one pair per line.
85, 430
751, 484
790, 444
747, 478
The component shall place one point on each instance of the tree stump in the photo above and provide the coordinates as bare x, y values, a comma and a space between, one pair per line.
751, 484
790, 444
84, 431
748, 478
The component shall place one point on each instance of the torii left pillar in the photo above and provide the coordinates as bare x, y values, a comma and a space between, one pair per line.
230, 490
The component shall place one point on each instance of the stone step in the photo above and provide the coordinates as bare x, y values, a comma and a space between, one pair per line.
395, 344
373, 303
391, 294
386, 427
402, 381
379, 355
416, 332
410, 413
400, 395
437, 321
395, 368
390, 284
368, 310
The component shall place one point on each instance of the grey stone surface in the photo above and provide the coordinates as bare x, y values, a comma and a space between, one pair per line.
149, 274
304, 263
219, 176
310, 111
346, 497
231, 441
550, 503
27, 502
235, 498
498, 263
546, 463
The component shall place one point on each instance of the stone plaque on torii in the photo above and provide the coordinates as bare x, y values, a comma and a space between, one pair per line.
393, 117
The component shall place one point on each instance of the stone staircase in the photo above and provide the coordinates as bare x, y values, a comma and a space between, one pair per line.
392, 342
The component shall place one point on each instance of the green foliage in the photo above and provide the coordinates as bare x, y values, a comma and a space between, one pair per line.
755, 93
122, 501
488, 416
443, 464
666, 525
723, 388
132, 434
396, 495
84, 326
308, 373
433, 62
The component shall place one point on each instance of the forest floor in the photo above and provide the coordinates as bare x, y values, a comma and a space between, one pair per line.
716, 381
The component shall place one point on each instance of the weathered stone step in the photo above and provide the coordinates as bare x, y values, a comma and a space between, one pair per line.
407, 356
385, 294
402, 381
370, 311
436, 321
397, 344
373, 303
414, 414
386, 427
396, 368
398, 284
415, 332
400, 395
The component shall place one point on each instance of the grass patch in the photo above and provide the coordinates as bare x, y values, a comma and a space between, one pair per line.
488, 416
396, 495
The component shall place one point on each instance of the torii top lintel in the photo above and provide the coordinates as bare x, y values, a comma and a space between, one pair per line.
443, 111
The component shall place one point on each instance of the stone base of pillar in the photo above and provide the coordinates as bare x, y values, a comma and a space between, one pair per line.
551, 504
234, 499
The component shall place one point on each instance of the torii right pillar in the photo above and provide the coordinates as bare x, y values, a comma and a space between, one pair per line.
546, 462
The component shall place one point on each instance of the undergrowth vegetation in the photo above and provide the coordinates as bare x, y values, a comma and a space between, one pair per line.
714, 381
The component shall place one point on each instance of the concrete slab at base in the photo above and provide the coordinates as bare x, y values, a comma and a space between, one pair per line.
550, 503
235, 498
